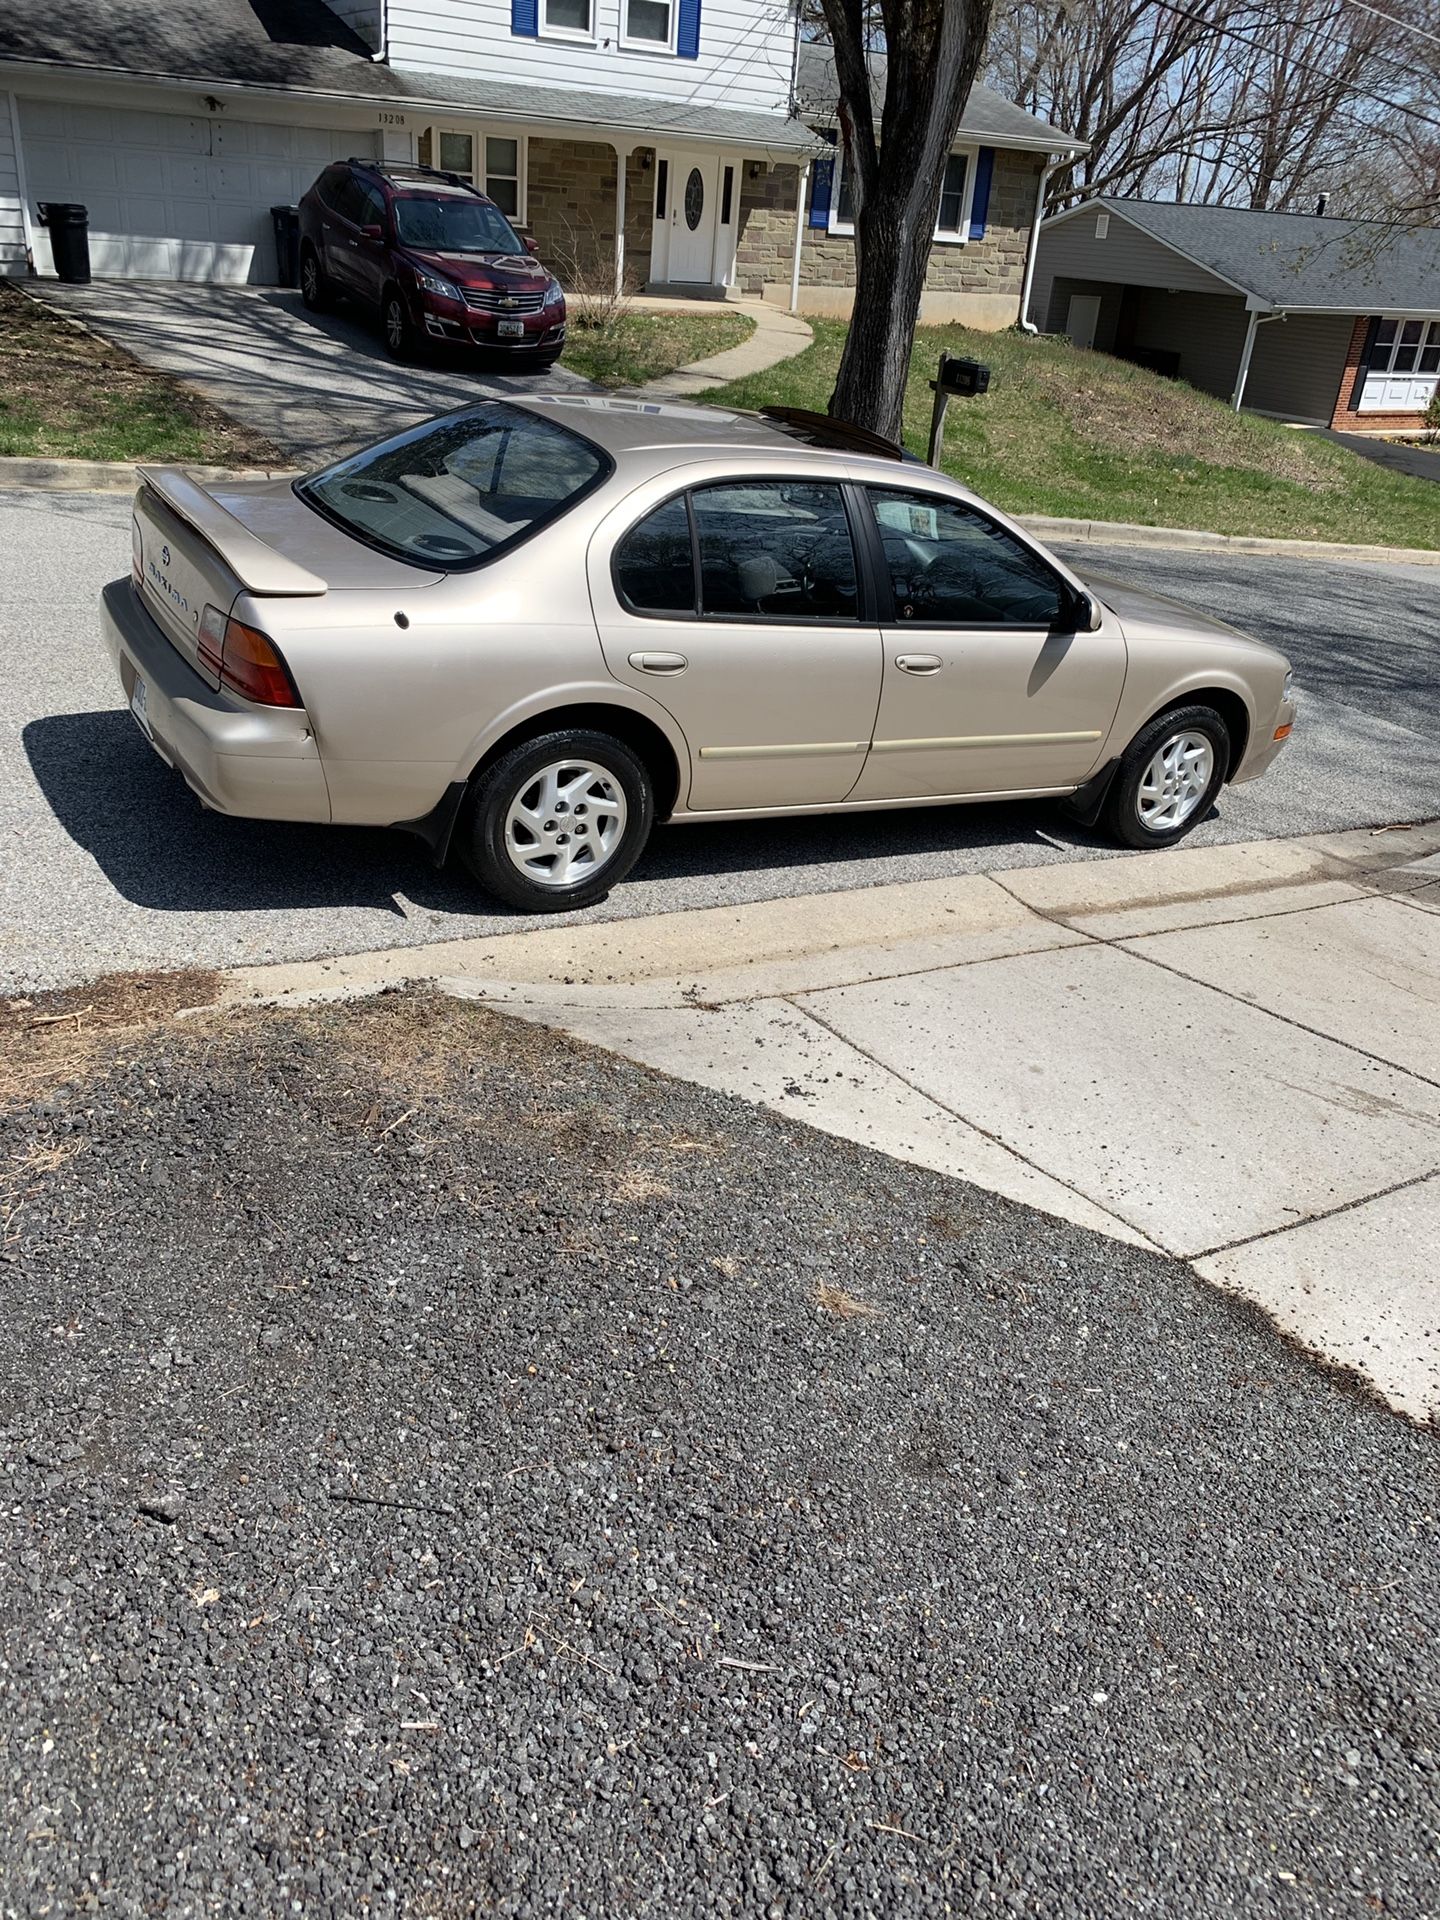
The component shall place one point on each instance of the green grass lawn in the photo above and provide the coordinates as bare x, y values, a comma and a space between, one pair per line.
1086, 437
641, 346
67, 395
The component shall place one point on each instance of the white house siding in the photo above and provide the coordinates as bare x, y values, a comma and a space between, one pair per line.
1298, 364
12, 224
173, 196
746, 52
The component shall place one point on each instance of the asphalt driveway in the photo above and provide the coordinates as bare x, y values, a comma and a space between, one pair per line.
107, 861
315, 384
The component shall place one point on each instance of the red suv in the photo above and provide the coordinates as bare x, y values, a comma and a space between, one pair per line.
434, 258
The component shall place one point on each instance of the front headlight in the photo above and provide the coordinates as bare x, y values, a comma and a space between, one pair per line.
554, 294
436, 283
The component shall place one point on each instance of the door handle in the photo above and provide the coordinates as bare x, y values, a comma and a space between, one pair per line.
918, 662
659, 662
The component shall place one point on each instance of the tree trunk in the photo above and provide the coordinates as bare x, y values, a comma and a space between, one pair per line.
933, 51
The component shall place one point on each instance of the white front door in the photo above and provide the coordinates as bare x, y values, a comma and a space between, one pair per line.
690, 214
1082, 317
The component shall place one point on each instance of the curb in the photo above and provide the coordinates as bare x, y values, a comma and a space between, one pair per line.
113, 476
1120, 533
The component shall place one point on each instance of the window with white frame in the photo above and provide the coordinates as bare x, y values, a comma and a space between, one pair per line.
1403, 371
494, 162
649, 24
568, 19
952, 222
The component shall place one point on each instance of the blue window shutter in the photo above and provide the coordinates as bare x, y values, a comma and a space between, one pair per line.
980, 205
525, 17
687, 41
822, 179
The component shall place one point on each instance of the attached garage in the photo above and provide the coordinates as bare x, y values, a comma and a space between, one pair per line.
173, 196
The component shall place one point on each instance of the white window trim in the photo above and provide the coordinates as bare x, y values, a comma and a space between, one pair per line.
478, 134
628, 42
1427, 327
576, 36
941, 237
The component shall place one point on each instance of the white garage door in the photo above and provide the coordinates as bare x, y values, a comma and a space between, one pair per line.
173, 198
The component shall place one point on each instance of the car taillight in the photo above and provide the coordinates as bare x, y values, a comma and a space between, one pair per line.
245, 660
137, 553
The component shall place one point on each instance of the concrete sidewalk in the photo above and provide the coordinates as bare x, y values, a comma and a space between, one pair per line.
1228, 1053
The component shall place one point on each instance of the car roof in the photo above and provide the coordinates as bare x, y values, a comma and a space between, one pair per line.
624, 426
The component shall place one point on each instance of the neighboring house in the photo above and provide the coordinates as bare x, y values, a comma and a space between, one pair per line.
1326, 322
649, 138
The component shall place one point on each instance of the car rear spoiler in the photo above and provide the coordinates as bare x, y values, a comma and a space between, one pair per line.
257, 567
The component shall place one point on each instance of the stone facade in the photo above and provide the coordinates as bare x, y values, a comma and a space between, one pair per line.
570, 204
978, 282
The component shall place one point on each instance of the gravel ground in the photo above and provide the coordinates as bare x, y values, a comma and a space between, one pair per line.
107, 861
450, 1470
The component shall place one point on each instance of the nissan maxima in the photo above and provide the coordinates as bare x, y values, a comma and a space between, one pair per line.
531, 628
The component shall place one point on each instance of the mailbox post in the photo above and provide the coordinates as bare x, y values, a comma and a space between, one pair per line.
957, 378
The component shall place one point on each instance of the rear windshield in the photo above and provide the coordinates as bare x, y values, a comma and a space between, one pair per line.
457, 224
458, 490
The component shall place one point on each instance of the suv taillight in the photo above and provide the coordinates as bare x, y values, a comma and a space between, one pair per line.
245, 660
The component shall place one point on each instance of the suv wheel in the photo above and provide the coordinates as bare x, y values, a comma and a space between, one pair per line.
556, 822
314, 283
395, 325
1171, 773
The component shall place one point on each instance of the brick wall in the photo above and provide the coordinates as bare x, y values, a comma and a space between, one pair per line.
1345, 415
979, 281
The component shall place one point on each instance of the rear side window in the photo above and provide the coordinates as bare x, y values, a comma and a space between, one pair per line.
455, 492
951, 565
775, 550
654, 567
344, 195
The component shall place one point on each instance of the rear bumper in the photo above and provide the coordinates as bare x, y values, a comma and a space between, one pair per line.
259, 763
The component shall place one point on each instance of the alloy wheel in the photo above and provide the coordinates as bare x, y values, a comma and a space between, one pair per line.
1176, 781
394, 324
566, 823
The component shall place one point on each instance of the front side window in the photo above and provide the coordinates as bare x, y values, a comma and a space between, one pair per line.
567, 16
459, 490
775, 550
648, 21
452, 224
949, 564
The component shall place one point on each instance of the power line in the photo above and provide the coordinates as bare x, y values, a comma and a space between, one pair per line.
1259, 46
1407, 26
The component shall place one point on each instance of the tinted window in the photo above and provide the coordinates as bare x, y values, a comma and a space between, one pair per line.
654, 569
775, 549
454, 225
456, 490
371, 211
949, 563
345, 195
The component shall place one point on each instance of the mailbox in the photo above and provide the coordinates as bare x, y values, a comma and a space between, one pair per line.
962, 377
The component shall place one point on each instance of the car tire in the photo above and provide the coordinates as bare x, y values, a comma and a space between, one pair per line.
395, 328
314, 281
1169, 777
554, 823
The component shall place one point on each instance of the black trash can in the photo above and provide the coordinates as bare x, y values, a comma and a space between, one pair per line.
286, 222
69, 228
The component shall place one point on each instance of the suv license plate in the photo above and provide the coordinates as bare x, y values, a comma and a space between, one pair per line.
139, 708
510, 329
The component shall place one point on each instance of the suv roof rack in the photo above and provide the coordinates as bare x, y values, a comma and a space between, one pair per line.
404, 169
823, 430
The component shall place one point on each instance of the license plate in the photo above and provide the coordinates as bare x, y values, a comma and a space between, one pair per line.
139, 707
510, 329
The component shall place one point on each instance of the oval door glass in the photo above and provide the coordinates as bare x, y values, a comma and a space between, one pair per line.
694, 198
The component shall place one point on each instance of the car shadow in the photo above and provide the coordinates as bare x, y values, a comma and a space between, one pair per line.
160, 849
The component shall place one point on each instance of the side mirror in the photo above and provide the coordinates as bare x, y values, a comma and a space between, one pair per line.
1087, 613
527, 240
372, 230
